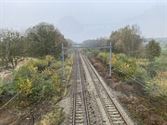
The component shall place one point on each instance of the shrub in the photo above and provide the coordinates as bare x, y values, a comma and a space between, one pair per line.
141, 74
142, 70
24, 86
7, 88
37, 80
55, 117
157, 86
152, 69
59, 88
41, 65
124, 64
49, 58
68, 70
103, 56
26, 71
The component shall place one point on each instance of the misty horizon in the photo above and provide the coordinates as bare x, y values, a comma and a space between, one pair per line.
82, 20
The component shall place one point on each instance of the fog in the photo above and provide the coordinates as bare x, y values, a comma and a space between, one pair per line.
80, 20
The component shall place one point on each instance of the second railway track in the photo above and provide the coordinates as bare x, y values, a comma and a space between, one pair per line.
115, 114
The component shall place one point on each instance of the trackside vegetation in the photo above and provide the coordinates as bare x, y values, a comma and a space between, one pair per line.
139, 72
34, 86
36, 81
138, 69
131, 58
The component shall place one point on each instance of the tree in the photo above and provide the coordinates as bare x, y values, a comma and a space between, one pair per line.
43, 39
10, 47
38, 41
153, 50
95, 42
126, 40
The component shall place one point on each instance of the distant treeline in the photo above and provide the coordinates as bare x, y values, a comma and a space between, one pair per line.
37, 41
128, 40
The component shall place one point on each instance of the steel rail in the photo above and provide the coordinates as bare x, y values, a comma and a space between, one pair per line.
92, 72
79, 97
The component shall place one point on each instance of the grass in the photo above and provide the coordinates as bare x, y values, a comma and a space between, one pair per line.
160, 80
162, 60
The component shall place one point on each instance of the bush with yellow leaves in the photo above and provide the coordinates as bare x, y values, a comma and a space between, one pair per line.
24, 86
120, 62
38, 80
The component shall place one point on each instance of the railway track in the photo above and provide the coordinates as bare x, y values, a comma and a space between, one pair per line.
112, 109
89, 105
84, 108
79, 113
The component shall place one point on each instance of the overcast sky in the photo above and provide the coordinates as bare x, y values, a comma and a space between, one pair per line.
86, 19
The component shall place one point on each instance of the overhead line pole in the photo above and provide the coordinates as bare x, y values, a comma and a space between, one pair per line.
110, 59
62, 62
